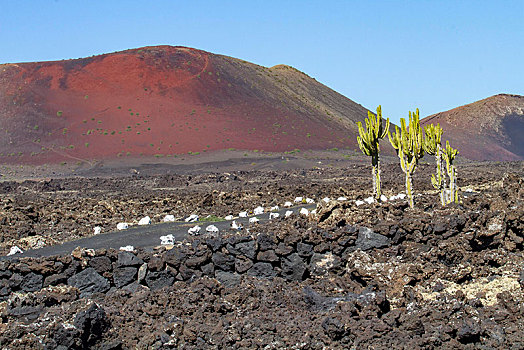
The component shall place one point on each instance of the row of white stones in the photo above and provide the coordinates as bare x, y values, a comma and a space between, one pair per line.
195, 230
194, 217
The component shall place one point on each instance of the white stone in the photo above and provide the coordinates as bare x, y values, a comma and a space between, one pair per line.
288, 213
167, 240
383, 198
309, 201
236, 226
97, 230
275, 208
273, 215
401, 195
326, 199
342, 199
469, 190
304, 211
258, 211
127, 248
191, 218
212, 229
359, 202
194, 230
288, 204
14, 250
145, 221
122, 226
313, 212
369, 200
229, 217
393, 198
242, 214
169, 218
253, 220
298, 200
495, 226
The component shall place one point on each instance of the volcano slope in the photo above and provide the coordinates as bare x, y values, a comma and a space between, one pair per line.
368, 276
490, 129
162, 101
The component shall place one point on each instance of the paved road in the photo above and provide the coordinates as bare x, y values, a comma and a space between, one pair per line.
144, 236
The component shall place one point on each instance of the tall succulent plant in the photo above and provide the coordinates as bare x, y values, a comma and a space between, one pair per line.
408, 144
368, 141
449, 157
432, 146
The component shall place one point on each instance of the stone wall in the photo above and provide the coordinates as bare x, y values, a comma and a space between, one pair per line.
288, 255
293, 249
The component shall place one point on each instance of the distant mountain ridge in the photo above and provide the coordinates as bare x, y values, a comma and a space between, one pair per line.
489, 129
162, 101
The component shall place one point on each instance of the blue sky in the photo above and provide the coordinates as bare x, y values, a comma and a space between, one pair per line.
434, 55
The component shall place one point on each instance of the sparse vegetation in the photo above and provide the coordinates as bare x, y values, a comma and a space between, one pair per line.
449, 157
212, 218
408, 144
432, 146
368, 141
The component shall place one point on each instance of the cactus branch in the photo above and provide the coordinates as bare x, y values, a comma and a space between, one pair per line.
449, 157
368, 142
408, 143
432, 146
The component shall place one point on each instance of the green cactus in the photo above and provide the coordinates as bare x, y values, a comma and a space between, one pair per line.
408, 143
368, 141
432, 146
449, 157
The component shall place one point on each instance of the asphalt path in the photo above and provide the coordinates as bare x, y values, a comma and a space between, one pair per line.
147, 235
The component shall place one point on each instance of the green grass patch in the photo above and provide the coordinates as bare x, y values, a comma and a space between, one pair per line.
212, 218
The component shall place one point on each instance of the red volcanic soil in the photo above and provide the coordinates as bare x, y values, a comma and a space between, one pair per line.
489, 129
162, 101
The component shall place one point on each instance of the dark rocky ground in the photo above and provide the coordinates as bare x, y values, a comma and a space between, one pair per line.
373, 276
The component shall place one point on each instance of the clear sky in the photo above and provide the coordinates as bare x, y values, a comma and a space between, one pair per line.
434, 55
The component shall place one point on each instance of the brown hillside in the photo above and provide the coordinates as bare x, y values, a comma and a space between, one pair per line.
164, 101
489, 129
